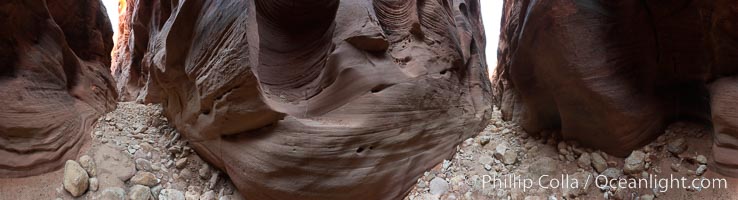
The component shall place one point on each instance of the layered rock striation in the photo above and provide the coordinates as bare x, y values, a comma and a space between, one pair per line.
312, 100
55, 81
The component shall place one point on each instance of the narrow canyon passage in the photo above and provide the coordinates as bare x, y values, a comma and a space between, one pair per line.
378, 99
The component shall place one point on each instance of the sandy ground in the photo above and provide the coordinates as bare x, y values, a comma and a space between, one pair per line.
469, 174
130, 134
503, 152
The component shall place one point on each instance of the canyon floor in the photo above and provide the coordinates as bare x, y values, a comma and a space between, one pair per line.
135, 154
503, 150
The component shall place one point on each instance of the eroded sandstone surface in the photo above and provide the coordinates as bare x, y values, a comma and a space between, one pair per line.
326, 99
613, 74
54, 80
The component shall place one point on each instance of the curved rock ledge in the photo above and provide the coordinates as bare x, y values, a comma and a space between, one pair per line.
296, 100
54, 79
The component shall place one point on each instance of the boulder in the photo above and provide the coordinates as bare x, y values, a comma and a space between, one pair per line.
76, 179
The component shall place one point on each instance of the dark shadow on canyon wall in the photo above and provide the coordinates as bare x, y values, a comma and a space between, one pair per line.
612, 74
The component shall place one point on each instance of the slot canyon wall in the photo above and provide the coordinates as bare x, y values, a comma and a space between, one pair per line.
328, 99
612, 74
55, 81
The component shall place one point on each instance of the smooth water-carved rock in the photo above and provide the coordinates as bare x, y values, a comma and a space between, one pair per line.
312, 100
612, 74
725, 122
55, 81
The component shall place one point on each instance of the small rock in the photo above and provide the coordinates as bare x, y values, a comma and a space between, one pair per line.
94, 184
701, 159
139, 192
486, 160
143, 165
573, 192
647, 197
701, 170
543, 166
88, 164
175, 149
676, 146
422, 184
598, 162
563, 148
622, 194
145, 178
634, 163
674, 167
171, 194
611, 173
76, 179
204, 171
438, 186
213, 180
155, 167
209, 195
131, 150
446, 164
510, 157
487, 167
181, 163
114, 193
585, 161
186, 174
193, 193
578, 151
569, 157
156, 190
484, 140
500, 151
147, 147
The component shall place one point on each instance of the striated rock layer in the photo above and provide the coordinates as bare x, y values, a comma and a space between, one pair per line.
611, 74
55, 81
326, 99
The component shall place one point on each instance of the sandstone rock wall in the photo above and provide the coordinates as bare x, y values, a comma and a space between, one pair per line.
611, 74
348, 99
55, 81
